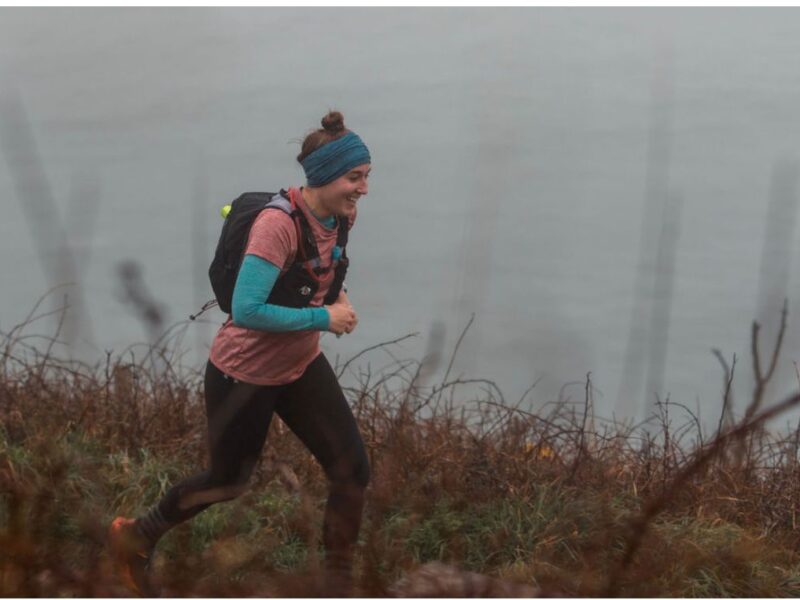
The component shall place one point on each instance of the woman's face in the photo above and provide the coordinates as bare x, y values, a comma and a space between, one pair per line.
339, 197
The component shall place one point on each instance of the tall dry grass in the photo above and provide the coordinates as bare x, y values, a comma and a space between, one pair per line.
555, 497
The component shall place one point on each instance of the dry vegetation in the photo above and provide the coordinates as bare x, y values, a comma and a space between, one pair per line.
554, 497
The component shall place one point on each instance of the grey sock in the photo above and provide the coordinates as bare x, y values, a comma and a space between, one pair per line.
153, 525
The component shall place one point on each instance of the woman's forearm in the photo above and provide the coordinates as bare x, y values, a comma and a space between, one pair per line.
254, 283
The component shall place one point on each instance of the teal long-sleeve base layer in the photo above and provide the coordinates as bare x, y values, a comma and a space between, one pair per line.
254, 283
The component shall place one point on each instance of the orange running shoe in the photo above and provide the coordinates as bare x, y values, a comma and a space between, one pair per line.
132, 555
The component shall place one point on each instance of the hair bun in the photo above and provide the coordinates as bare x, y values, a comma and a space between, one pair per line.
333, 122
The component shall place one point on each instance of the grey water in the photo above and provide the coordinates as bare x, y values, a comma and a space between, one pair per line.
610, 191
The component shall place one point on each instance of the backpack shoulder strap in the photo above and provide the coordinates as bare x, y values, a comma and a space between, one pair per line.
305, 237
306, 244
281, 202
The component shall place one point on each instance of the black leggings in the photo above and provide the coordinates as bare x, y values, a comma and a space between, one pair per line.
239, 416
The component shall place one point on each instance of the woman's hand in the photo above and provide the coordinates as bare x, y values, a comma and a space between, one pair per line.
342, 317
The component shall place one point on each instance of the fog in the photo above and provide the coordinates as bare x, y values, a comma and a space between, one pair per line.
610, 191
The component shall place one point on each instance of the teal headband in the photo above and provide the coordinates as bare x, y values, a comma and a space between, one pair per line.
334, 159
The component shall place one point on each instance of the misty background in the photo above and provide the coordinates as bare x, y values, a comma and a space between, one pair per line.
606, 190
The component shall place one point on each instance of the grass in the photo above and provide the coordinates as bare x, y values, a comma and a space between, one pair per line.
555, 497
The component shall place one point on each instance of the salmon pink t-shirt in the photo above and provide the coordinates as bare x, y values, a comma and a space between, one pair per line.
275, 357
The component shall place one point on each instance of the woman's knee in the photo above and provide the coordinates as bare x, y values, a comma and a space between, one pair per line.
219, 484
361, 473
211, 495
211, 488
234, 479
355, 471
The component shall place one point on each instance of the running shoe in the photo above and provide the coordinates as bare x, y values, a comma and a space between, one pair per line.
132, 555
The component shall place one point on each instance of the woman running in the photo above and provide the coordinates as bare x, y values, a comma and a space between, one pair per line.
266, 359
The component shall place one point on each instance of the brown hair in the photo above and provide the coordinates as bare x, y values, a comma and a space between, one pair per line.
332, 129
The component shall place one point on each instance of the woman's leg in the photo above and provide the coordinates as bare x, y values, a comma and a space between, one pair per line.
316, 410
238, 416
